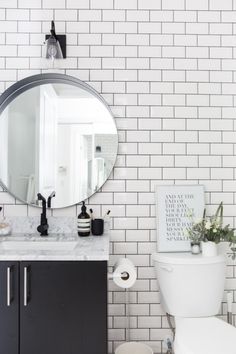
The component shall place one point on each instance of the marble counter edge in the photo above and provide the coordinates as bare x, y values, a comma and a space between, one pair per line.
59, 257
92, 248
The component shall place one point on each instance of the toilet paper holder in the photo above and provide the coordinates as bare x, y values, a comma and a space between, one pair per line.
123, 275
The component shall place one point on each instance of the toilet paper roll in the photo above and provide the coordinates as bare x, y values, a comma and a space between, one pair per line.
125, 274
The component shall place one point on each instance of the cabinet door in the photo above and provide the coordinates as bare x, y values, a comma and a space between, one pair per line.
9, 309
94, 325
63, 308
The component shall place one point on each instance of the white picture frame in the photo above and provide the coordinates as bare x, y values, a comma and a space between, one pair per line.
174, 204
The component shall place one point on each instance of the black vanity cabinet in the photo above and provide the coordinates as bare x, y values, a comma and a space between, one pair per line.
56, 307
9, 309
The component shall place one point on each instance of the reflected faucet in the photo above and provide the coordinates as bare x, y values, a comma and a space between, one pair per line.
43, 227
53, 194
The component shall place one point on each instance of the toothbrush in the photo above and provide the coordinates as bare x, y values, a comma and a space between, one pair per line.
107, 213
91, 213
107, 221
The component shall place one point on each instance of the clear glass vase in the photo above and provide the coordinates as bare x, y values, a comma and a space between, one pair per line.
195, 247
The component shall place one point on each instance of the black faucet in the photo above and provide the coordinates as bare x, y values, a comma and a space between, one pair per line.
43, 227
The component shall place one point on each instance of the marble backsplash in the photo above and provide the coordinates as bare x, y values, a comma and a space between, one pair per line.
57, 225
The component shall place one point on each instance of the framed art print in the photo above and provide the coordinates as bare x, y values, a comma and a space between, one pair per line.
176, 207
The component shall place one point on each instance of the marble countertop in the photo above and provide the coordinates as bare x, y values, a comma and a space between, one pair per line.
92, 248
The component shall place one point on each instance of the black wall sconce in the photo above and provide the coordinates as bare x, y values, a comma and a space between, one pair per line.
56, 44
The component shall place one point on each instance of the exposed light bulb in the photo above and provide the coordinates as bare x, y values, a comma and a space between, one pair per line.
52, 51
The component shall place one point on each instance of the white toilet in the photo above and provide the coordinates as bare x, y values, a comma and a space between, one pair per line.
191, 289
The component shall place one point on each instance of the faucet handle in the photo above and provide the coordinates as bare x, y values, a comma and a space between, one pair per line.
41, 197
53, 194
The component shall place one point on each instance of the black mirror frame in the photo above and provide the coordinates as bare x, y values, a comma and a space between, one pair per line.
41, 79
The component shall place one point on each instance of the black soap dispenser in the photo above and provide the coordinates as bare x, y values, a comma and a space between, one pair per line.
83, 225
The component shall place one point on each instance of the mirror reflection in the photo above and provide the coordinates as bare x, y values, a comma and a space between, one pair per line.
56, 137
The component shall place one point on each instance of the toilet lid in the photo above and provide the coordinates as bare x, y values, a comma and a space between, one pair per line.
208, 335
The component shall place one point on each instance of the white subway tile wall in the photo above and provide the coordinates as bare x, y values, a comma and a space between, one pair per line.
166, 68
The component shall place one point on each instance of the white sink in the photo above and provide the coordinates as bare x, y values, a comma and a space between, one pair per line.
34, 243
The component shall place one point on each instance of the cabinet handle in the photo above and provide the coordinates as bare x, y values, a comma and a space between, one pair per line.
8, 286
25, 285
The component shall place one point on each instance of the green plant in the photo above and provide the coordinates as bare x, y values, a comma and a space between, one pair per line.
212, 229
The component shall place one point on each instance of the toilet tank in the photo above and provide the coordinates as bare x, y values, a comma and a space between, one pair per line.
190, 285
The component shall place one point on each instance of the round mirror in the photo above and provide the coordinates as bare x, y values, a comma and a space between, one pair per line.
56, 135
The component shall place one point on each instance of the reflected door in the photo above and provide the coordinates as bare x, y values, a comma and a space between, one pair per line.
47, 140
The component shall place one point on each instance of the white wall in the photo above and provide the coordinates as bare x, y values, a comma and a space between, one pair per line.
21, 154
167, 69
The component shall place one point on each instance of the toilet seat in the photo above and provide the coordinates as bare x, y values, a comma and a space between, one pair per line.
205, 335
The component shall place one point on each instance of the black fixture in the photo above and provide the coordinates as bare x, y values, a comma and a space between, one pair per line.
49, 307
43, 227
56, 44
53, 194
